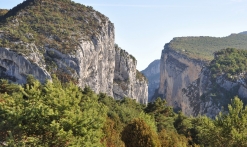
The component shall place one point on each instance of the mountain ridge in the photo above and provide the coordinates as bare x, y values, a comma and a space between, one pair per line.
203, 47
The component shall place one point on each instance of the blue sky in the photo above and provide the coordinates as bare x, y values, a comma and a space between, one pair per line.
142, 27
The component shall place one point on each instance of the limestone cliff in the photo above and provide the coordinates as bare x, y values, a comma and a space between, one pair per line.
177, 72
74, 42
128, 82
152, 72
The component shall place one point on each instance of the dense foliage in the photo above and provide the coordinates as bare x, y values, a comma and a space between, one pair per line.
203, 48
230, 61
51, 115
56, 114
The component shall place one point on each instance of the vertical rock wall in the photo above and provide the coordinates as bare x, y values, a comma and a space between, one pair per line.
127, 82
177, 72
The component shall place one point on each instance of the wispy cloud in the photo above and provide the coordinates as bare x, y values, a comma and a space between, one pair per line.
142, 6
238, 1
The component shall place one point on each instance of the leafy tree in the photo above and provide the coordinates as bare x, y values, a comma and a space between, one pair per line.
138, 133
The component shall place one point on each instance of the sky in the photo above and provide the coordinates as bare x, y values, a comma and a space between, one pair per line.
143, 27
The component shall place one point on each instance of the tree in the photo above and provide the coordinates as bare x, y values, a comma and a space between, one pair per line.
139, 134
163, 114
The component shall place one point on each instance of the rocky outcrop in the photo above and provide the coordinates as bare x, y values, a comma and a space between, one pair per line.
127, 80
152, 72
16, 67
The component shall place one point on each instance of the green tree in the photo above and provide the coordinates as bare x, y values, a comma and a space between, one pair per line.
163, 114
228, 129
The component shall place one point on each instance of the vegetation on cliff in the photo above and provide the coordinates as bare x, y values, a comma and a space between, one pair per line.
140, 76
229, 61
59, 24
56, 114
203, 48
3, 12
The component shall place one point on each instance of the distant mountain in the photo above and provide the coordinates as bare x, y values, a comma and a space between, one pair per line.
152, 72
245, 32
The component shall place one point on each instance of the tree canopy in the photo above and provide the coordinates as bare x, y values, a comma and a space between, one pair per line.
62, 114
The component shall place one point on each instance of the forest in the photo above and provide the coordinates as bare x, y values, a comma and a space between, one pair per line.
62, 114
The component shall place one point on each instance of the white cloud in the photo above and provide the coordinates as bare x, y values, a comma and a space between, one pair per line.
238, 1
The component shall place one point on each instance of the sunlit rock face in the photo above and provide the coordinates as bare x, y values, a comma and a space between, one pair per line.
127, 83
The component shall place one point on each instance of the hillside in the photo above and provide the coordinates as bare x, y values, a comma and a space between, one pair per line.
59, 24
202, 48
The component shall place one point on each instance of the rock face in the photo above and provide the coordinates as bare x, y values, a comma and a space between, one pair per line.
16, 67
187, 85
126, 81
208, 97
93, 62
199, 99
177, 72
152, 72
